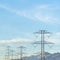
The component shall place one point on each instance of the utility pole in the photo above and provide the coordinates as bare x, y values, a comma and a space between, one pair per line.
21, 51
42, 42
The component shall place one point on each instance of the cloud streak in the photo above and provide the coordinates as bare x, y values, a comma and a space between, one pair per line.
12, 10
54, 39
39, 13
17, 40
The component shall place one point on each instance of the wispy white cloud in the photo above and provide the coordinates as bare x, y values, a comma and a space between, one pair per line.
55, 38
58, 33
26, 40
17, 40
10, 9
42, 13
2, 48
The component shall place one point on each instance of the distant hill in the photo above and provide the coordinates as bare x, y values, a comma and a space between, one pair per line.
48, 56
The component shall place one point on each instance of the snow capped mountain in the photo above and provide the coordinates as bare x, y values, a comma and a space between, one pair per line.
48, 56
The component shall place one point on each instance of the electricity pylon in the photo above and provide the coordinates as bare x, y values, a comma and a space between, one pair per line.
42, 42
6, 57
21, 51
8, 52
12, 54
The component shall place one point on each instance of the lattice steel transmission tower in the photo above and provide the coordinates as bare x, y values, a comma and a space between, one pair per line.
42, 42
8, 52
21, 52
12, 54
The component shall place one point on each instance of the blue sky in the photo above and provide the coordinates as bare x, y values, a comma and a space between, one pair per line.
20, 18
